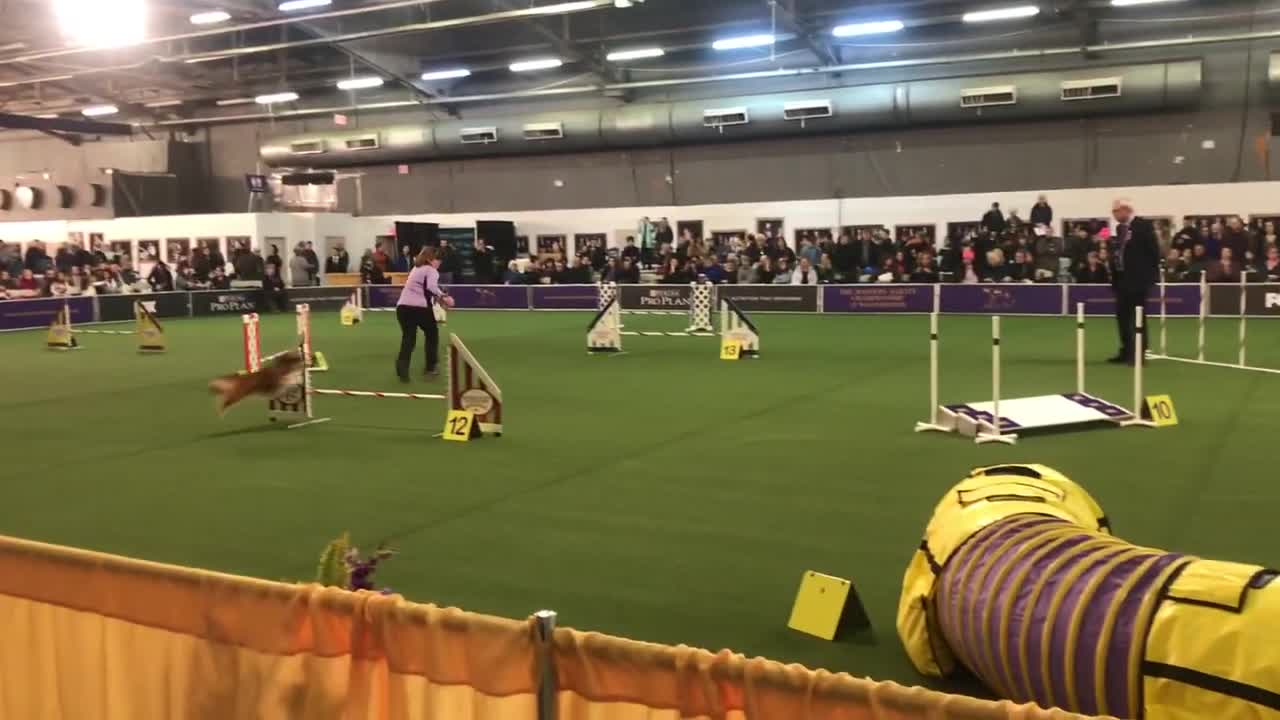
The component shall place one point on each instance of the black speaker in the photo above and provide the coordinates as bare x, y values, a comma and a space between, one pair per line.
308, 178
417, 236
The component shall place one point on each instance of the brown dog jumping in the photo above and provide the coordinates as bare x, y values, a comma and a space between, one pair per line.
268, 381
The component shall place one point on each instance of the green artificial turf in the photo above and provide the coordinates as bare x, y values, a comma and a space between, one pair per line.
662, 495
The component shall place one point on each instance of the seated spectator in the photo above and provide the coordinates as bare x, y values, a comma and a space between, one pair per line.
784, 251
160, 279
57, 285
782, 273
1187, 237
219, 280
273, 289
629, 250
1199, 263
712, 270
998, 269
675, 273
1226, 269
1023, 271
28, 284
805, 274
107, 282
762, 272
532, 273
577, 274
1093, 271
1270, 265
826, 268
731, 274
628, 272
512, 275
925, 271
185, 279
1175, 269
6, 282
889, 271
968, 273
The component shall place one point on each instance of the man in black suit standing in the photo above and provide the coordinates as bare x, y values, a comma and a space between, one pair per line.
1135, 270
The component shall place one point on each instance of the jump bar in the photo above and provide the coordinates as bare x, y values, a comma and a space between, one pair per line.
374, 394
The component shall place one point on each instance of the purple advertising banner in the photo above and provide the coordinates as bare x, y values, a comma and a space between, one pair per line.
17, 314
1002, 299
1180, 300
565, 297
490, 297
877, 298
384, 296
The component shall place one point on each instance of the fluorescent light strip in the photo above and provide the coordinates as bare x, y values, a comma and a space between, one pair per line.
744, 41
360, 83
292, 5
163, 103
446, 74
234, 101
565, 7
99, 110
273, 98
538, 64
213, 17
868, 28
1131, 3
1009, 13
639, 54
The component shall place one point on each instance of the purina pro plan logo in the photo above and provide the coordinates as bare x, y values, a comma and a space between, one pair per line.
1271, 300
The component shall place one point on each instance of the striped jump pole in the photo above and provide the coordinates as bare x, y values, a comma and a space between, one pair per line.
376, 394
252, 343
1244, 322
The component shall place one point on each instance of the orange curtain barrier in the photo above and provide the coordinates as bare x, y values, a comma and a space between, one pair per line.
88, 635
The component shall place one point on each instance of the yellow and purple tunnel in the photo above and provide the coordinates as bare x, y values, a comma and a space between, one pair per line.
1020, 581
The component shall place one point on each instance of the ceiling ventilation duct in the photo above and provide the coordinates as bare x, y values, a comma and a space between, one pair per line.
306, 147
364, 142
806, 110
1091, 89
1010, 97
543, 131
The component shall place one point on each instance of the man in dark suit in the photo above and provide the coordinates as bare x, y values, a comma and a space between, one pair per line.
1134, 271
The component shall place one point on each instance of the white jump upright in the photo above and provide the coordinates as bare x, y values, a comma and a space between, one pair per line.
932, 425
1080, 341
1139, 343
1244, 317
994, 434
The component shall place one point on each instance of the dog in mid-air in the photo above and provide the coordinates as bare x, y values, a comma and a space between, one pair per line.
268, 381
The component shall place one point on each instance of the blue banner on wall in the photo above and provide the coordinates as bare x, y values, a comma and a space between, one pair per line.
877, 298
1002, 299
1180, 300
17, 314
565, 297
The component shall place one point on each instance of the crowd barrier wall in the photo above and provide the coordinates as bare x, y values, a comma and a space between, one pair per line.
1181, 300
102, 636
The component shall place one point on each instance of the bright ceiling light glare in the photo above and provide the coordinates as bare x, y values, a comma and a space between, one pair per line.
538, 64
1008, 13
446, 74
867, 28
213, 17
274, 98
102, 24
295, 5
163, 103
639, 54
233, 101
564, 7
744, 41
99, 110
361, 83
1131, 3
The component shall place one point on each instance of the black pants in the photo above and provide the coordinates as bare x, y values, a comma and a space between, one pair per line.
411, 320
1127, 304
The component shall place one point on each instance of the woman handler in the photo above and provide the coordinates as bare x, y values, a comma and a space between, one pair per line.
414, 311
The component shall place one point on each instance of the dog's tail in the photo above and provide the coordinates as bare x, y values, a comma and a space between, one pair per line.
227, 390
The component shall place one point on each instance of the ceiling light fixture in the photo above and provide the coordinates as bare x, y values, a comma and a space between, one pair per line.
639, 54
163, 103
446, 74
538, 64
273, 98
744, 41
99, 110
868, 28
234, 101
213, 17
565, 7
361, 83
1131, 3
294, 5
95, 23
1009, 13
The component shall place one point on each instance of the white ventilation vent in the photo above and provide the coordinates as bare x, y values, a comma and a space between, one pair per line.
544, 131
367, 142
306, 147
806, 110
482, 135
724, 117
989, 96
1091, 89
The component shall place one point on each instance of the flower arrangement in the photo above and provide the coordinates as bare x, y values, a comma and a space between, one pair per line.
342, 566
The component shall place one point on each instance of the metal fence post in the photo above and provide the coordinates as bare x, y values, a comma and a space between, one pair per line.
548, 690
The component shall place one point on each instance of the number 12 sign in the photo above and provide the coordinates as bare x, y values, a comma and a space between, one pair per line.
460, 426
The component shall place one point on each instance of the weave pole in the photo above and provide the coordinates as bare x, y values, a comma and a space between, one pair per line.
1139, 353
375, 394
1204, 312
1244, 322
1080, 348
995, 436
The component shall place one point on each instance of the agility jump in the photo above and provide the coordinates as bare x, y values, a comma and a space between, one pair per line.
147, 329
604, 333
469, 388
252, 342
1242, 347
699, 312
1002, 419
